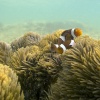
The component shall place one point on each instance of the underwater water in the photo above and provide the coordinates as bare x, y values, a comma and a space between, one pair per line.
46, 16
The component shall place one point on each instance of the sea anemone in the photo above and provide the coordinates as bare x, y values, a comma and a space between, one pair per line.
27, 39
5, 52
10, 88
80, 77
50, 38
37, 69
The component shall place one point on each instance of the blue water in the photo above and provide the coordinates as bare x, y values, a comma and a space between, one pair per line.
55, 13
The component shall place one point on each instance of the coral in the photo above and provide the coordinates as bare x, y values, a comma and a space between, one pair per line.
5, 52
10, 88
80, 77
28, 39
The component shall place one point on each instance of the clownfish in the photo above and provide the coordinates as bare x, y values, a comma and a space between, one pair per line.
66, 40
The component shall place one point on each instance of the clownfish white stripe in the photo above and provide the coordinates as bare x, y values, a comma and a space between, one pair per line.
56, 45
64, 48
72, 33
62, 37
72, 43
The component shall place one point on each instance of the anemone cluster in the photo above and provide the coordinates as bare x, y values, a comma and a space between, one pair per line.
31, 59
10, 88
5, 52
28, 39
31, 71
80, 77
